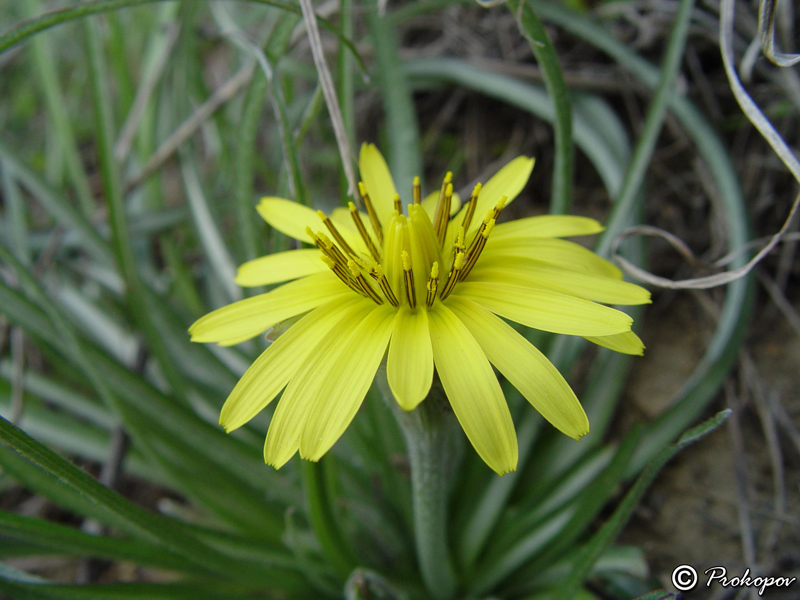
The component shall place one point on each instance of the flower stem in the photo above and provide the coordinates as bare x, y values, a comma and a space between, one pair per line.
429, 432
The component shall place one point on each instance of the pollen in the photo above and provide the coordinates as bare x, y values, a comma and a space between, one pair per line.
408, 279
415, 247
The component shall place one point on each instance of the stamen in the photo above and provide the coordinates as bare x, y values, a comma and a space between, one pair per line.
363, 231
455, 272
433, 284
441, 224
362, 283
335, 232
378, 275
398, 206
329, 248
476, 250
416, 191
341, 273
440, 203
373, 217
408, 279
473, 202
479, 242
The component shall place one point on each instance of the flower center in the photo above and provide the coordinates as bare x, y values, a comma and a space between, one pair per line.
402, 264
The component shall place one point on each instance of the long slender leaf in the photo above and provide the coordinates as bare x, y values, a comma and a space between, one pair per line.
126, 516
179, 428
56, 107
25, 29
601, 151
130, 591
68, 540
401, 117
603, 538
701, 387
545, 53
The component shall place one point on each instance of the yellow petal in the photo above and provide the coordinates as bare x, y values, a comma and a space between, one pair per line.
547, 226
410, 363
378, 181
247, 318
271, 371
545, 309
432, 199
522, 271
626, 343
284, 266
508, 181
289, 217
294, 407
561, 253
525, 367
473, 391
346, 382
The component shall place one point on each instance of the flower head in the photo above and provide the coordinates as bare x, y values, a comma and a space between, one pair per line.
424, 286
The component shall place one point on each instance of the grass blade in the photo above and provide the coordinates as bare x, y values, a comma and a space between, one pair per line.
545, 53
611, 529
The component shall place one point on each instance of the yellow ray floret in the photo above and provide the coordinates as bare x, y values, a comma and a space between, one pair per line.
426, 287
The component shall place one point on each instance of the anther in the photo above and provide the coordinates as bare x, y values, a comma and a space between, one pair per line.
373, 217
362, 283
479, 242
378, 275
441, 229
408, 279
455, 272
363, 231
335, 232
398, 206
439, 203
416, 191
328, 247
473, 202
433, 284
341, 273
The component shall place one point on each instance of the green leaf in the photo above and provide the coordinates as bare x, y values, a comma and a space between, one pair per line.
545, 53
60, 539
126, 591
111, 508
25, 29
401, 117
611, 529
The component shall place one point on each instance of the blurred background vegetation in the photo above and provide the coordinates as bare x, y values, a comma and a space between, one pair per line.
133, 147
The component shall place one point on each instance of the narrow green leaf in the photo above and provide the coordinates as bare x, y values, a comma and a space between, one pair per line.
44, 60
701, 387
322, 514
55, 204
250, 246
401, 117
126, 591
121, 513
611, 529
25, 29
60, 539
112, 187
545, 53
601, 151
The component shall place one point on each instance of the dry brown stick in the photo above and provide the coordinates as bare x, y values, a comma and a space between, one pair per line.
224, 93
699, 283
123, 145
768, 426
777, 296
740, 467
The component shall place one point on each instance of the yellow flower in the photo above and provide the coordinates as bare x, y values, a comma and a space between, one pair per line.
430, 284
